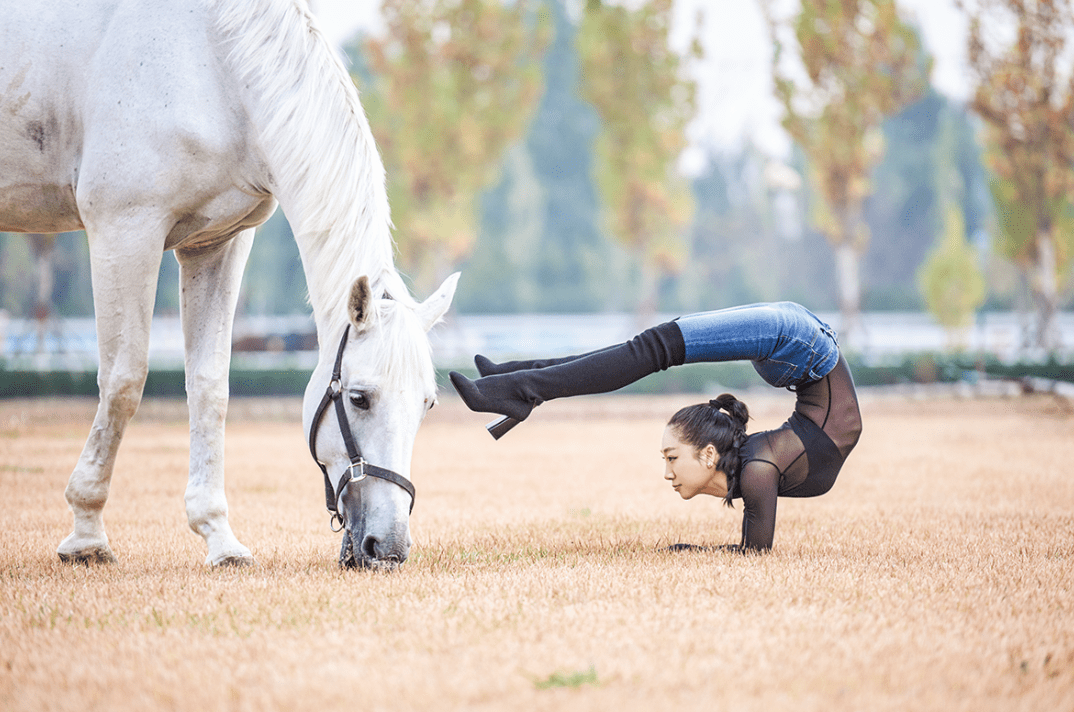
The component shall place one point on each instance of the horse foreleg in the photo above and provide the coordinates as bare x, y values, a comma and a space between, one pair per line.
210, 291
124, 287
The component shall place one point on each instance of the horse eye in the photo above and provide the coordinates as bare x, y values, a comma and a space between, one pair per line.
360, 401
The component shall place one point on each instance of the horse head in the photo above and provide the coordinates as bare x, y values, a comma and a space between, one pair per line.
380, 384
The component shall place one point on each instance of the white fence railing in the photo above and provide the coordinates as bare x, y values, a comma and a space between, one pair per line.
71, 344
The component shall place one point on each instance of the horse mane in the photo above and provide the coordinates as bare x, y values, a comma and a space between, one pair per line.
325, 169
410, 354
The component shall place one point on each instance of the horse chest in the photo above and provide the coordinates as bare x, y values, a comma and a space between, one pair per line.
218, 221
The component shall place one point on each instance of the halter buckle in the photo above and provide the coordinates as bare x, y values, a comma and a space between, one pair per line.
361, 470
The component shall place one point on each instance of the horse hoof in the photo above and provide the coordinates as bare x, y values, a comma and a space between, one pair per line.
239, 562
88, 557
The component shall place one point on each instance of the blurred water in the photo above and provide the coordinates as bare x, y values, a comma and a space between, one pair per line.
71, 344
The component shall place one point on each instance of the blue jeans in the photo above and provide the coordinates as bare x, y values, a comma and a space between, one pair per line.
788, 345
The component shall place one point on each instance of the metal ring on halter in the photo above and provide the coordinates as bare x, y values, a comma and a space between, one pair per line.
334, 517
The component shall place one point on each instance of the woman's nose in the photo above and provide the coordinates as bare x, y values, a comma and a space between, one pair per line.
668, 474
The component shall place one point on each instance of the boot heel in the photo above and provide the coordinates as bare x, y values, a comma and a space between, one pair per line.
499, 427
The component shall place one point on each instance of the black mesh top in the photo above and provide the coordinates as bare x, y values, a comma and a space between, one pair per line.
802, 457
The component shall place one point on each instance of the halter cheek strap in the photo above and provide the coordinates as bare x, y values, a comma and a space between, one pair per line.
359, 469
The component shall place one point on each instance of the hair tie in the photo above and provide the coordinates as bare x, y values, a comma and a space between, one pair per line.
716, 404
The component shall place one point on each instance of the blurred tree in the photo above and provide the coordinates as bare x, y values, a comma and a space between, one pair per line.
275, 282
1025, 94
736, 251
861, 63
72, 293
454, 83
635, 81
950, 279
16, 274
931, 157
43, 246
540, 247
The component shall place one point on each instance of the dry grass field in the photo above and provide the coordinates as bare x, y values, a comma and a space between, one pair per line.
936, 575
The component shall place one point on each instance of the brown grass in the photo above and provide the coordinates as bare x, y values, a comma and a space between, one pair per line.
936, 575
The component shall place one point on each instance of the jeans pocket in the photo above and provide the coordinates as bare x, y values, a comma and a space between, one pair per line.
776, 373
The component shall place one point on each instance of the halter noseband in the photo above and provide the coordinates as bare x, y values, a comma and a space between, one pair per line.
358, 463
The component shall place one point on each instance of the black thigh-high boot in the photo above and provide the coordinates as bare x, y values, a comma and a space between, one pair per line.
487, 367
515, 394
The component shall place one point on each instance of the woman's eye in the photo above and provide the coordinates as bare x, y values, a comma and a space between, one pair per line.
360, 401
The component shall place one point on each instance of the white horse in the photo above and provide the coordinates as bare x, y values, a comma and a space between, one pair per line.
177, 125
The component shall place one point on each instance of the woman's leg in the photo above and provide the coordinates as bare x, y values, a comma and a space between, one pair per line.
489, 368
515, 394
787, 343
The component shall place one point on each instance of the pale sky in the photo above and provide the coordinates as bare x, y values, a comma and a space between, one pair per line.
735, 101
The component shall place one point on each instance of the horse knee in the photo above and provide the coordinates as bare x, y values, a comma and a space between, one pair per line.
122, 394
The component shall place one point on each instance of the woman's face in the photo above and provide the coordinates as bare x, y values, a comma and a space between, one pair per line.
689, 470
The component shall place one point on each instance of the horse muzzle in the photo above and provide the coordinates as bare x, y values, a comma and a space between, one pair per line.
370, 542
368, 552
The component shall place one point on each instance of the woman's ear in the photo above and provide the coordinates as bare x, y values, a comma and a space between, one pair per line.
709, 455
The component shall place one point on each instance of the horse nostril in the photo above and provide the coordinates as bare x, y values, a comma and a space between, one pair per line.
369, 547
375, 550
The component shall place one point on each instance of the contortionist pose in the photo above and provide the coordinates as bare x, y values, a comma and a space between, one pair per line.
705, 446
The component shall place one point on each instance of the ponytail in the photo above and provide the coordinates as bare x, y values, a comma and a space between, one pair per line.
721, 423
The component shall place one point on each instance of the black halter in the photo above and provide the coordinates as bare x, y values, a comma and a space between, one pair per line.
364, 469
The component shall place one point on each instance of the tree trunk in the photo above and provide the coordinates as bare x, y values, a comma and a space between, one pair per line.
645, 311
1044, 286
851, 331
42, 247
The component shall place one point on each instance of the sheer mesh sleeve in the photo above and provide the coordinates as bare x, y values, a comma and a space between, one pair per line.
759, 486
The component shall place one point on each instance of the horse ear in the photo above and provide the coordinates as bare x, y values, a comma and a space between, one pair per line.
360, 303
433, 309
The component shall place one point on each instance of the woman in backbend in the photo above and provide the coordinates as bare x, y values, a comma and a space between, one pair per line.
705, 447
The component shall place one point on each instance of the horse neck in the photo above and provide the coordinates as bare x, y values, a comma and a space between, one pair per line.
332, 261
322, 164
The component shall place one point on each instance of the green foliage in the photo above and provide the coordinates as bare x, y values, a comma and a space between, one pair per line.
568, 679
932, 159
275, 282
1017, 224
71, 293
635, 82
950, 280
862, 63
738, 254
540, 248
454, 84
692, 379
1026, 102
16, 273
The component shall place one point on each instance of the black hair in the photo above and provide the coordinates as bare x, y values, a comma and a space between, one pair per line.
721, 423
